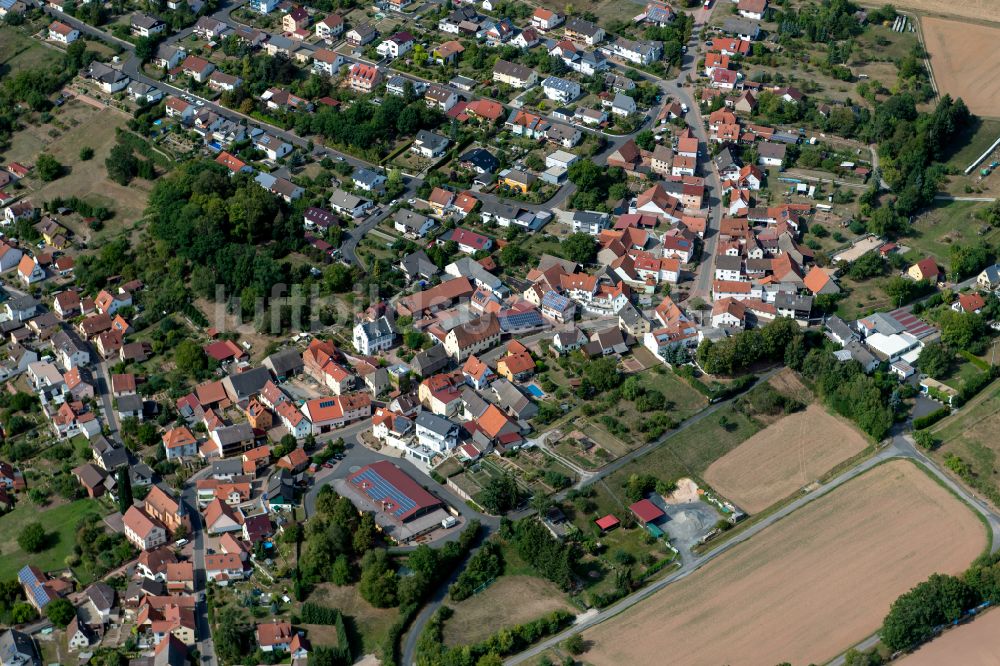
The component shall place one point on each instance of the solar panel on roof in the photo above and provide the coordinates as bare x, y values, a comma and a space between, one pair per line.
35, 586
382, 491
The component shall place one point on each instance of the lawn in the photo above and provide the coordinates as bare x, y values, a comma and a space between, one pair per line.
60, 523
686, 400
971, 436
863, 298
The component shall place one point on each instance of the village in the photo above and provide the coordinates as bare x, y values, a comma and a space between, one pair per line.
560, 241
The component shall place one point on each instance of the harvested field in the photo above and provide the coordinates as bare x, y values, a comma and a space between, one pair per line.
965, 59
973, 644
508, 601
976, 10
783, 457
808, 587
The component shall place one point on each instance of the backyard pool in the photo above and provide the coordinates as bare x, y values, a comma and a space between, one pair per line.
534, 390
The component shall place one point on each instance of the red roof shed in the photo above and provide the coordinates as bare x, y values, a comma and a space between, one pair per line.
645, 511
607, 522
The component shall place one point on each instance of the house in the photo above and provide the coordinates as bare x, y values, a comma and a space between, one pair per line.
361, 35
62, 33
560, 90
221, 568
10, 257
412, 223
334, 412
771, 154
590, 222
18, 649
146, 26
437, 433
743, 28
623, 105
752, 9
275, 636
971, 302
143, 532
638, 52
168, 56
472, 337
989, 278
264, 6
925, 269
368, 180
294, 20
69, 352
563, 135
233, 439
470, 242
518, 179
210, 28
657, 13
108, 79
179, 443
364, 78
580, 30
514, 75
327, 62
143, 93
371, 337
330, 27
345, 203
546, 19
220, 518
428, 144
448, 53
29, 271
78, 635
516, 366
498, 33
197, 68
396, 45
271, 146
480, 160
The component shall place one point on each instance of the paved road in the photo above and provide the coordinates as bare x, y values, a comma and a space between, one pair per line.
107, 401
205, 645
900, 447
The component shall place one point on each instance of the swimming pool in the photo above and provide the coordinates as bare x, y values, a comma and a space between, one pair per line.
534, 390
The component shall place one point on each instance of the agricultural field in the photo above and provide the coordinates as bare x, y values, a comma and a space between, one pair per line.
507, 601
971, 436
76, 125
785, 456
60, 523
974, 644
371, 623
964, 58
814, 583
19, 51
974, 10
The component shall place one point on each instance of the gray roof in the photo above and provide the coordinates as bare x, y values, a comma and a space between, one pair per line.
430, 360
366, 176
234, 433
345, 200
245, 384
380, 327
839, 328
563, 85
725, 159
513, 70
227, 467
582, 26
728, 263
22, 303
280, 42
284, 362
474, 270
431, 140
143, 586
622, 101
740, 26
412, 220
418, 264
17, 647
436, 424
129, 403
771, 150
114, 457
474, 402
629, 315
512, 400
101, 595
144, 21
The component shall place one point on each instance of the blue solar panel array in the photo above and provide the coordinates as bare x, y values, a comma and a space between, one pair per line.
510, 321
380, 490
35, 587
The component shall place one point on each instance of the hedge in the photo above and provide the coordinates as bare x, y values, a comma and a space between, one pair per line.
927, 420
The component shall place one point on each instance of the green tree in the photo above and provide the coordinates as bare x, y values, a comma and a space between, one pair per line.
935, 360
86, 153
940, 599
500, 495
33, 538
575, 645
48, 167
60, 612
580, 247
190, 358
125, 499
364, 535
378, 582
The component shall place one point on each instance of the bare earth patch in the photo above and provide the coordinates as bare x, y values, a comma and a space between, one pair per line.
508, 601
973, 644
965, 59
783, 457
809, 586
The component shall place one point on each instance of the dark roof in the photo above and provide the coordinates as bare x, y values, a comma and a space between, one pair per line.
393, 490
430, 360
285, 361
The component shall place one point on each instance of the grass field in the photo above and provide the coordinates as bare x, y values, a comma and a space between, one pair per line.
808, 587
964, 58
75, 126
370, 623
19, 51
59, 522
973, 644
692, 450
784, 457
945, 224
979, 137
971, 435
507, 601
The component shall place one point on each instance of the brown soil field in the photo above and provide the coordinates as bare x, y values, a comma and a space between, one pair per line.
788, 384
809, 586
973, 644
508, 601
977, 10
965, 59
783, 457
